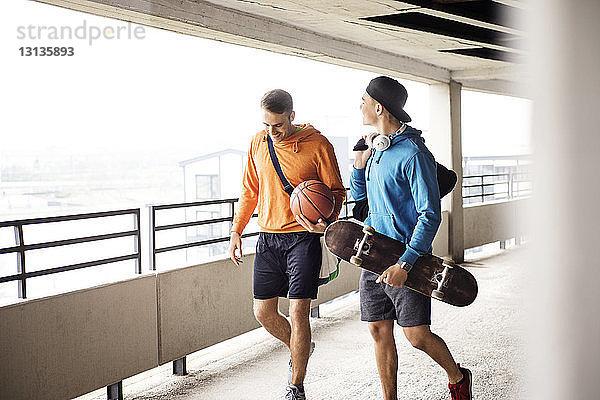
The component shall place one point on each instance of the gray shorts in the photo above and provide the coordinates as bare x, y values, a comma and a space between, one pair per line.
380, 301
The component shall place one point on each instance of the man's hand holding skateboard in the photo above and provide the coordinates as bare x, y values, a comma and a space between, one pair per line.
393, 276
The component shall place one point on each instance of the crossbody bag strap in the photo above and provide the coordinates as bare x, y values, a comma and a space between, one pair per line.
286, 184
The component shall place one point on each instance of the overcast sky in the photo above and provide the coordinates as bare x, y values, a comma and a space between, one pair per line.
162, 92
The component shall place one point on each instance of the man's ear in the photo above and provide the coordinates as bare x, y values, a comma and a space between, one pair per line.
378, 109
292, 116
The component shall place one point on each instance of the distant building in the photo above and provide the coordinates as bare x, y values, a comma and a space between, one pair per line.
213, 176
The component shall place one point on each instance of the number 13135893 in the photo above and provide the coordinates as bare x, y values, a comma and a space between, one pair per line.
47, 51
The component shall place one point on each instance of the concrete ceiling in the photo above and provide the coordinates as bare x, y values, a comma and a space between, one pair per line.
478, 43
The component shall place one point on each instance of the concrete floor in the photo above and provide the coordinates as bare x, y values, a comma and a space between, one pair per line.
487, 337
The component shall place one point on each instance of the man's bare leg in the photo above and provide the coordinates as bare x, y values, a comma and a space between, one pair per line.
267, 313
423, 339
300, 338
295, 336
386, 356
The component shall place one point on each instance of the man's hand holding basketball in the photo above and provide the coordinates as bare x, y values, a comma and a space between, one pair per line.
319, 227
235, 244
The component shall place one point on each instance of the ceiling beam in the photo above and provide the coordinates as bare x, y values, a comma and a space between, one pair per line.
485, 14
203, 19
497, 86
466, 33
515, 3
512, 72
466, 20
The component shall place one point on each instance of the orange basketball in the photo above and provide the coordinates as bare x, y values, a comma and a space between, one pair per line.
313, 199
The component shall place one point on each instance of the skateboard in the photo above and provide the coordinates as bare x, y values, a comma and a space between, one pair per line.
432, 276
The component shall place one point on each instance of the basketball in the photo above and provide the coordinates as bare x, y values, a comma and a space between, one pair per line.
312, 199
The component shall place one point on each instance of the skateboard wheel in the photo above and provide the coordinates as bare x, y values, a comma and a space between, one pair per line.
437, 294
356, 260
368, 230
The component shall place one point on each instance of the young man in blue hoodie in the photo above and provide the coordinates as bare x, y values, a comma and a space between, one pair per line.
399, 179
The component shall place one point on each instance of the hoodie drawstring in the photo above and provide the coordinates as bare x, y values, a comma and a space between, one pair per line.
295, 147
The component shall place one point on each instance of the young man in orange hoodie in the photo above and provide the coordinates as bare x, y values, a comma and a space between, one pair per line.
288, 252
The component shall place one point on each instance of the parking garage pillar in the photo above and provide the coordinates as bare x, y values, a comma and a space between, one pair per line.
445, 142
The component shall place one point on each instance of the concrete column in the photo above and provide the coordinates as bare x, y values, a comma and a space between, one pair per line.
445, 143
457, 236
564, 319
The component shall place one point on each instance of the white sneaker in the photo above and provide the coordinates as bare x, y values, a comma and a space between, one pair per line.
293, 393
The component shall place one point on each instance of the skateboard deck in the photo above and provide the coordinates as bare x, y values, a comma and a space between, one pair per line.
432, 276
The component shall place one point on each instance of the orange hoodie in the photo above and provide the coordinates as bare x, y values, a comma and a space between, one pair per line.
305, 155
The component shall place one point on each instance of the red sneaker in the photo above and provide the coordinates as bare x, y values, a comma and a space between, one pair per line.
462, 389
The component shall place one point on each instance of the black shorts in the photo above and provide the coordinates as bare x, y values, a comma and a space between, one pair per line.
380, 301
287, 265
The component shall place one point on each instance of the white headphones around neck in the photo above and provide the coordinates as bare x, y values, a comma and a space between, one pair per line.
378, 142
382, 142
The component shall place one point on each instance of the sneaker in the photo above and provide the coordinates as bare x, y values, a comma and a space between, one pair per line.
293, 393
462, 390
291, 370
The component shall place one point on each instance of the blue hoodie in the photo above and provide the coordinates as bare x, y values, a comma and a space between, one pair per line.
401, 186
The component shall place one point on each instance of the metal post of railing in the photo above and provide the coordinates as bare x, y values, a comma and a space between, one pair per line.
314, 312
510, 185
137, 244
345, 204
22, 285
115, 391
152, 238
180, 366
232, 213
482, 190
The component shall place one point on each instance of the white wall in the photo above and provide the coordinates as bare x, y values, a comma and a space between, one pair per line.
231, 169
564, 315
340, 145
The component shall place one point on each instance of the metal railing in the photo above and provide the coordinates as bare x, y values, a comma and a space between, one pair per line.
347, 214
510, 183
154, 228
508, 179
153, 250
22, 248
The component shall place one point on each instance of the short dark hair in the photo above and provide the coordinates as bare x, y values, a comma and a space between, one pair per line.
277, 101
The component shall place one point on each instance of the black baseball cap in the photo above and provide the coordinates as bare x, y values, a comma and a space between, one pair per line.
391, 94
